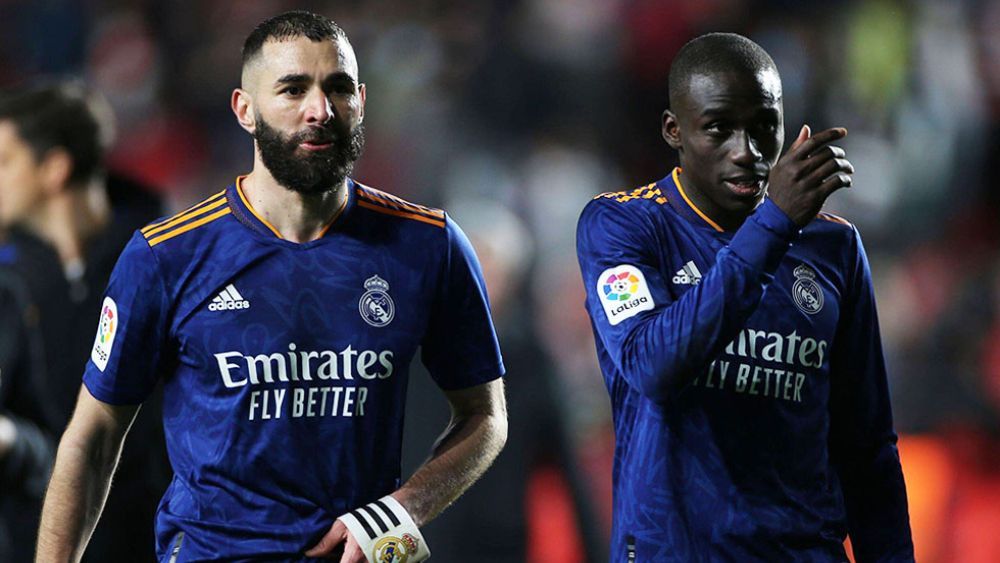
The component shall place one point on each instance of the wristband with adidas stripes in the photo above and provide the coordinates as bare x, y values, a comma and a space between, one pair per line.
386, 533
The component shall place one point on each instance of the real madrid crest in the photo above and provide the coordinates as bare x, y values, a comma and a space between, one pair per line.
806, 293
394, 550
376, 307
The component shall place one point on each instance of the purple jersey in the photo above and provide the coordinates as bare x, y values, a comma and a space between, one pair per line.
285, 365
747, 383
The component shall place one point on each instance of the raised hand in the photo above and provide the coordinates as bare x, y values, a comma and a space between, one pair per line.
808, 173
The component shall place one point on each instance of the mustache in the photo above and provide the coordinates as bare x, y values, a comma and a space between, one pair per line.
317, 136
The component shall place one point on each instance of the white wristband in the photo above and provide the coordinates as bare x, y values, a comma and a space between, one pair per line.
386, 533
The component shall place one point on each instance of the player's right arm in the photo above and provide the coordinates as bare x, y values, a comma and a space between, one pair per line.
85, 462
122, 371
663, 348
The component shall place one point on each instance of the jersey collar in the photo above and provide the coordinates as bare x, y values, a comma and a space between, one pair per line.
246, 214
678, 198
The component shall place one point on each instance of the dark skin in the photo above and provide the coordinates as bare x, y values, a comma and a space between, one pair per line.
728, 128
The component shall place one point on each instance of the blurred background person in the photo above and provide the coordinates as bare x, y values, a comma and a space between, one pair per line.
538, 105
66, 222
26, 446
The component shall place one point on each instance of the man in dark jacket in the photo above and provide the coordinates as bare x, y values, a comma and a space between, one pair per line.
68, 220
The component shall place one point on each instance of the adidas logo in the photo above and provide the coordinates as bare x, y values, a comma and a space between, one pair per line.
688, 275
228, 299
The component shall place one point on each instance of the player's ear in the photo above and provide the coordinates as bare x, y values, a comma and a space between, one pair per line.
671, 130
242, 104
362, 92
56, 169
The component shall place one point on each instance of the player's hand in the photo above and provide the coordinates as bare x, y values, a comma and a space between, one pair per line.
336, 541
808, 173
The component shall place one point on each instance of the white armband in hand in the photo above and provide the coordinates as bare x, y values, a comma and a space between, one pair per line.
386, 533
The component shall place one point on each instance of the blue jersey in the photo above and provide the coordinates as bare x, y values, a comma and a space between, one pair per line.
747, 382
285, 365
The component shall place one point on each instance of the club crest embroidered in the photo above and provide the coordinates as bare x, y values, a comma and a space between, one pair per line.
806, 293
376, 307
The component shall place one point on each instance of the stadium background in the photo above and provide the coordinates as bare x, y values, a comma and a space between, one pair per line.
512, 114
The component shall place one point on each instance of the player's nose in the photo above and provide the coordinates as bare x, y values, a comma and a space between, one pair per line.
318, 108
745, 151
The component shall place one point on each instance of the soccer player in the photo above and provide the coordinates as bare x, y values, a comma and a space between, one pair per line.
736, 330
281, 315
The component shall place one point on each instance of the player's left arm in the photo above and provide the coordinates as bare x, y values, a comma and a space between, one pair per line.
472, 440
862, 439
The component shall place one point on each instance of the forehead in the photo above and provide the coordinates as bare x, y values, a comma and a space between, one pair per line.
301, 55
732, 91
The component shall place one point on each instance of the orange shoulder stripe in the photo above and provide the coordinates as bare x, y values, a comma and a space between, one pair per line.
377, 196
649, 191
179, 217
834, 218
363, 202
179, 221
190, 226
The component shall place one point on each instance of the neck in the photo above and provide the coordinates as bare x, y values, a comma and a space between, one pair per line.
70, 218
296, 216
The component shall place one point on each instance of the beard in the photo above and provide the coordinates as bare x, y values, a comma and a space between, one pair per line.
316, 171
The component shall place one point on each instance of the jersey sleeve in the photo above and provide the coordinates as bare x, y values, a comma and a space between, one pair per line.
460, 348
662, 343
131, 333
862, 439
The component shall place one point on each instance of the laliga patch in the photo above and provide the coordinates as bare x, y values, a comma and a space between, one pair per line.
623, 292
106, 329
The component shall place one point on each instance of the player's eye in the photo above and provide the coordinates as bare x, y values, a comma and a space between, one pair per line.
717, 127
293, 91
341, 89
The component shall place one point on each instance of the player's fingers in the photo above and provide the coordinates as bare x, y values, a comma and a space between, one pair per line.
818, 159
803, 135
328, 542
352, 554
828, 151
829, 168
835, 182
810, 145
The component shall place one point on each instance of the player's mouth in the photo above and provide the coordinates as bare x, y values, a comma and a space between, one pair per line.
316, 145
745, 186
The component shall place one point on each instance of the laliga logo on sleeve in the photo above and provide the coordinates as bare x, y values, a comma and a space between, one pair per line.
806, 293
623, 292
106, 329
376, 307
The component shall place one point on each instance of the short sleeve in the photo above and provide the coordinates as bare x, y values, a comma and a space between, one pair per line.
460, 348
131, 331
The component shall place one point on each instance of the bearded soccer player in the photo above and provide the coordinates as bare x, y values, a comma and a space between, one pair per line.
736, 330
281, 315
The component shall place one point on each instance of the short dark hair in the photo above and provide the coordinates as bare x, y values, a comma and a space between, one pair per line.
298, 23
715, 52
57, 116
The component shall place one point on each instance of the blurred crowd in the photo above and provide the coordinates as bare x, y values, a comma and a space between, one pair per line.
511, 115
